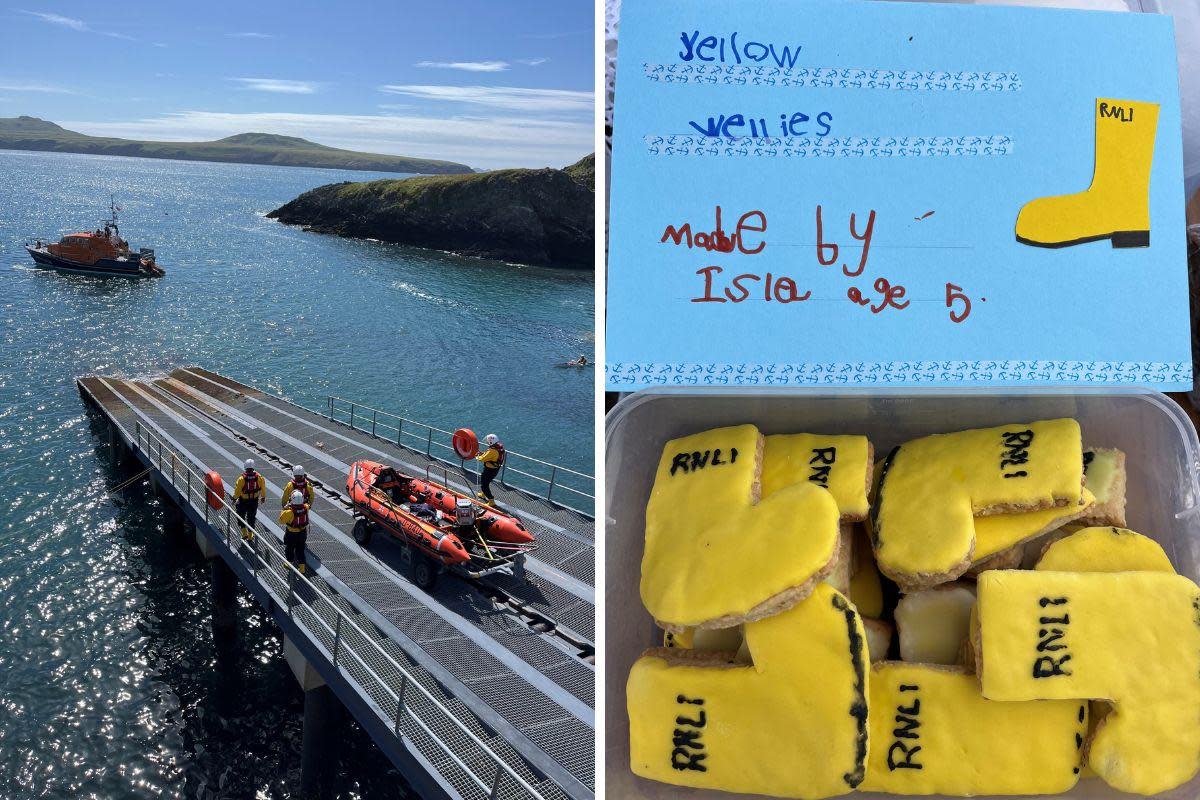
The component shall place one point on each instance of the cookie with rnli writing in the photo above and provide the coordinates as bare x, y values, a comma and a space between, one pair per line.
1106, 549
792, 724
932, 732
841, 464
932, 489
715, 555
1130, 638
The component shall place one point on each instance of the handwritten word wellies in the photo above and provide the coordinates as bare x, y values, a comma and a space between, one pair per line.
734, 125
721, 49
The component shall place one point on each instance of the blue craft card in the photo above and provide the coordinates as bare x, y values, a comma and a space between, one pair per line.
933, 125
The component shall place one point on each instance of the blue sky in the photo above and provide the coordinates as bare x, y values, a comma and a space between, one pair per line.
490, 84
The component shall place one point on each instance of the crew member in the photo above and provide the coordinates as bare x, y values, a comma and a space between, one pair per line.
294, 519
493, 460
298, 483
250, 489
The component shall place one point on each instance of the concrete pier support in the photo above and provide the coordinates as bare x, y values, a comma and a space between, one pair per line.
322, 716
224, 596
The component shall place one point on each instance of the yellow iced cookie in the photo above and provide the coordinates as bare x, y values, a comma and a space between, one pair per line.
841, 464
933, 623
997, 532
1105, 550
932, 732
879, 638
1131, 638
1105, 471
718, 640
866, 592
932, 489
792, 724
715, 556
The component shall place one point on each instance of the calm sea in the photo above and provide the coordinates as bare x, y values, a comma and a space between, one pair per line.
111, 684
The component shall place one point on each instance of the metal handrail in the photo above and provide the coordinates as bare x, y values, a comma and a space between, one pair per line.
356, 411
193, 483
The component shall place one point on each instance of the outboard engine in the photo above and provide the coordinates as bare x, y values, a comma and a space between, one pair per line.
464, 512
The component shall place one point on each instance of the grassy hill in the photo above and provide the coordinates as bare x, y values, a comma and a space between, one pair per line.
31, 133
530, 216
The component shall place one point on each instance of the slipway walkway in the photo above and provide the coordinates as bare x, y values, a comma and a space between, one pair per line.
475, 689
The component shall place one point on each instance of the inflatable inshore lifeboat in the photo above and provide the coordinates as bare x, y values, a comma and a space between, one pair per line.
382, 507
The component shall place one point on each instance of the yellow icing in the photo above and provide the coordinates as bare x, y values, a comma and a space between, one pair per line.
1105, 550
711, 554
936, 718
790, 725
865, 590
1132, 638
841, 464
996, 532
721, 640
932, 488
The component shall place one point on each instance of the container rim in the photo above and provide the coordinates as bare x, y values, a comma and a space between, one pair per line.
630, 402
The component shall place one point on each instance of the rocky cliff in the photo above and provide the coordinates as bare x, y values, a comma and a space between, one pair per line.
529, 216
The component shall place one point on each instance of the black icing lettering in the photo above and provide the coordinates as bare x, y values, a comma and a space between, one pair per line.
696, 460
680, 462
1015, 453
909, 755
687, 751
822, 462
716, 459
908, 724
732, 454
1052, 639
700, 460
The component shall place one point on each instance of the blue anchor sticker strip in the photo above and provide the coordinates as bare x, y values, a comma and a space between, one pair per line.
997, 202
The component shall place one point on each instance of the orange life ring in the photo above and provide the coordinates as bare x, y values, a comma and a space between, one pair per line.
465, 443
215, 489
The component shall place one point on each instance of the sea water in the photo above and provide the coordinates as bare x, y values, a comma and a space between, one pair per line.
111, 683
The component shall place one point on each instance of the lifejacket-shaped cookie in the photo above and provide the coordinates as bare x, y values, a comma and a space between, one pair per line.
792, 724
715, 556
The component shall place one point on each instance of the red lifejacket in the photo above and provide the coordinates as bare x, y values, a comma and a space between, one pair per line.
300, 485
299, 517
250, 487
500, 452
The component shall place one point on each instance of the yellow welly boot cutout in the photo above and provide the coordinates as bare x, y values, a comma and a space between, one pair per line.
1117, 204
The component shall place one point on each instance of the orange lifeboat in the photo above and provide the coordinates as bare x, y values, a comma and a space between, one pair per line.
492, 523
372, 489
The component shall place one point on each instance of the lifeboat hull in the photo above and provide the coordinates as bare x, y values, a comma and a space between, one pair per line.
129, 268
498, 525
438, 544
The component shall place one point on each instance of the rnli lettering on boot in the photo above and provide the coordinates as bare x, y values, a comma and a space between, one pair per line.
895, 194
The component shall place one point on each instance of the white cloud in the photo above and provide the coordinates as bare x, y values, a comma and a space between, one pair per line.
484, 142
509, 98
58, 19
277, 85
532, 62
250, 35
74, 24
467, 66
27, 86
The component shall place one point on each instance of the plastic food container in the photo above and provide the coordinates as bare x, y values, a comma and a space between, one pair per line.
1162, 461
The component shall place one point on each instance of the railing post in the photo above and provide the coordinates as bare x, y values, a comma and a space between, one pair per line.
373, 412
399, 428
429, 444
227, 515
550, 490
331, 408
337, 640
495, 792
400, 702
352, 416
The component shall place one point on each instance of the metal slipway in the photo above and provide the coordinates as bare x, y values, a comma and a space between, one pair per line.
566, 554
173, 391
524, 686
